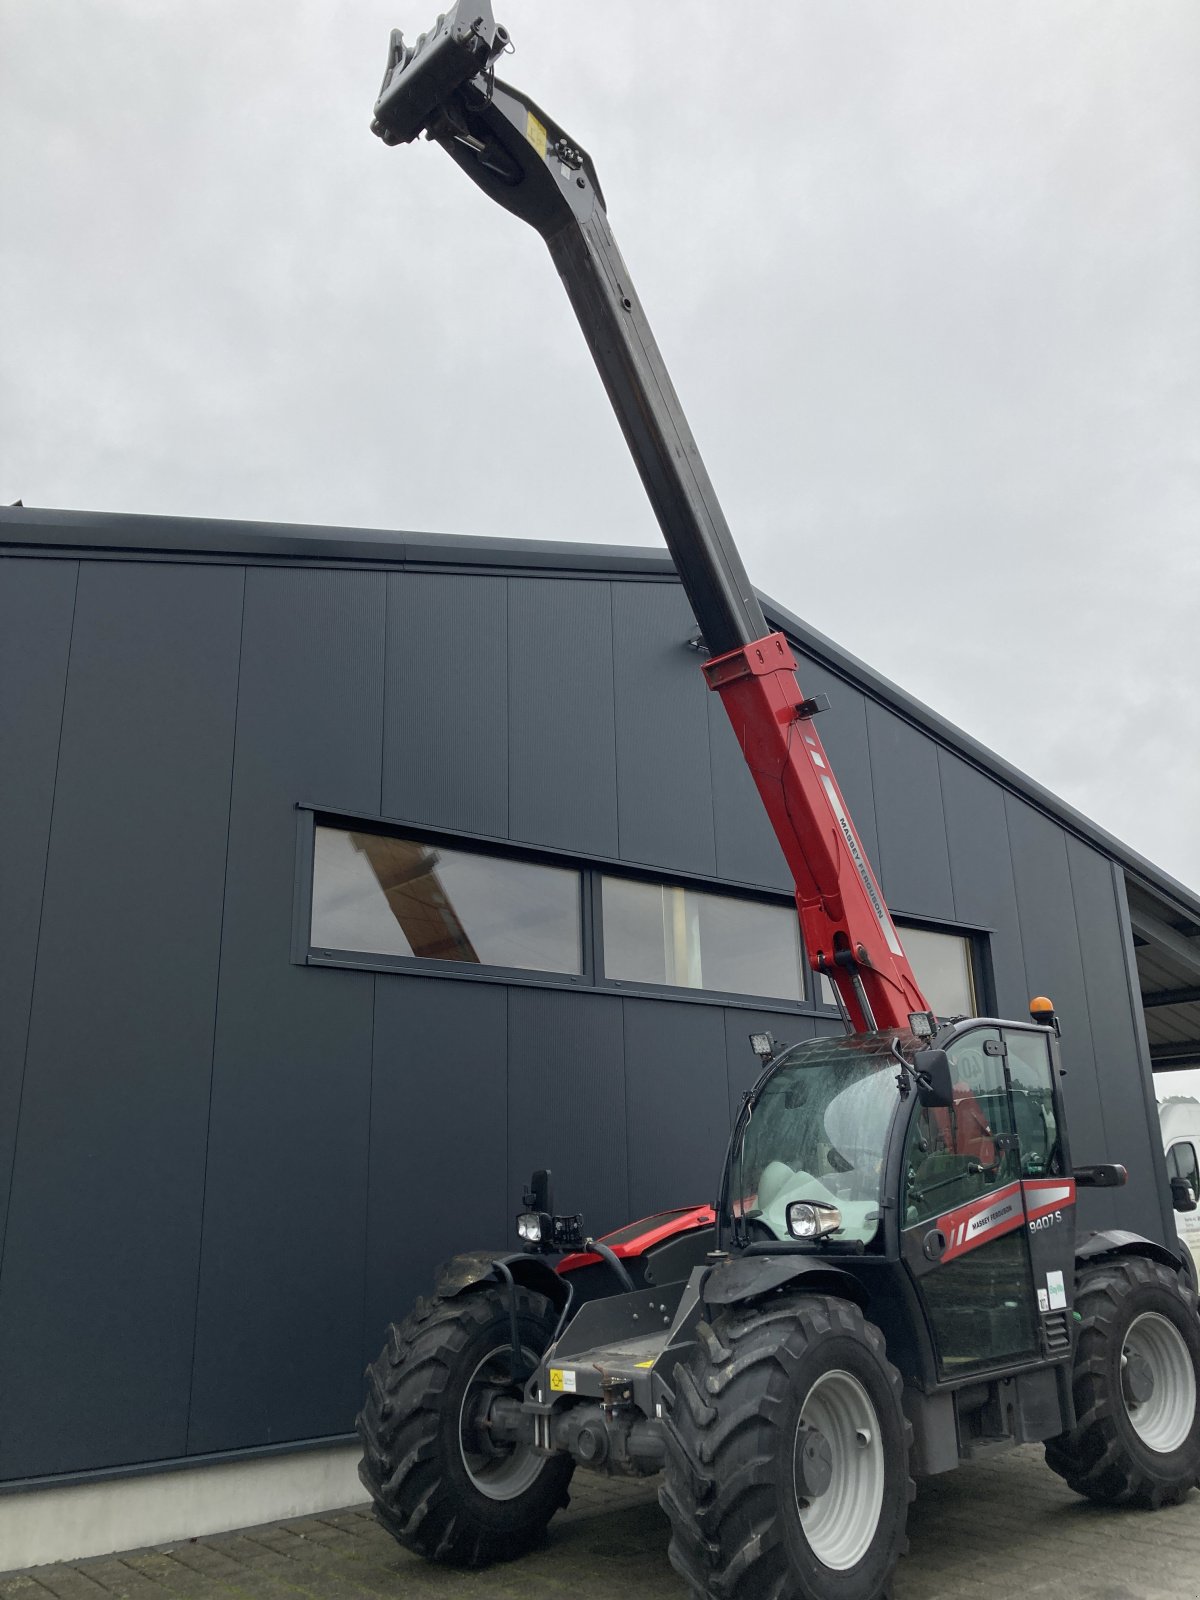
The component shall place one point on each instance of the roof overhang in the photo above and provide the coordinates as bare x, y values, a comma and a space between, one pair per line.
1167, 950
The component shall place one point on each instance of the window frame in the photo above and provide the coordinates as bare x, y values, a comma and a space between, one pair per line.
425, 966
591, 869
759, 1002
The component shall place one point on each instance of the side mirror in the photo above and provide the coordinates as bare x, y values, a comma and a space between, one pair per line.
1105, 1175
538, 1196
1183, 1196
935, 1081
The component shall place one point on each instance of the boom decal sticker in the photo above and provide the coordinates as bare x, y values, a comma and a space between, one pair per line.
860, 861
535, 132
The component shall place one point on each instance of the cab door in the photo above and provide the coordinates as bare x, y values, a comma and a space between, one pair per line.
963, 1216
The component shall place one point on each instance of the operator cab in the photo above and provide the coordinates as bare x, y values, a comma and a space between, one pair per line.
818, 1127
815, 1132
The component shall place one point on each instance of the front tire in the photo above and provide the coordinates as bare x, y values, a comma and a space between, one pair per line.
787, 1455
438, 1485
1136, 1380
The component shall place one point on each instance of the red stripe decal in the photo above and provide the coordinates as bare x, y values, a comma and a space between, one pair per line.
981, 1220
993, 1215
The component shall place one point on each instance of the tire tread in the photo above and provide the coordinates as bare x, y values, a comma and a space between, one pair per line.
1094, 1457
400, 1428
720, 1501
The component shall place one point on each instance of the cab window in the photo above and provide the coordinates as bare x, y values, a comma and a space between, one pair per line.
957, 1153
1030, 1069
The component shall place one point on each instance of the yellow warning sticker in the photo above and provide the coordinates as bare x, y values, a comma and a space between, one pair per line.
562, 1380
536, 134
643, 1363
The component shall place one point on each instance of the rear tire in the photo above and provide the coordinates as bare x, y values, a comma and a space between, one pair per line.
745, 1522
438, 1486
1136, 1381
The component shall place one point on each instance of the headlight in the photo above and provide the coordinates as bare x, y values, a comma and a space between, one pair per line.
812, 1219
529, 1227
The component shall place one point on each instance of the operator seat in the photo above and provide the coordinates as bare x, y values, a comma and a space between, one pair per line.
771, 1181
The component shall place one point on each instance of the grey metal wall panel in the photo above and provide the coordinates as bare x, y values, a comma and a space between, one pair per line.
37, 599
279, 1332
98, 1292
664, 779
1054, 967
445, 749
1168, 1229
1131, 1137
913, 864
562, 768
742, 1065
843, 731
677, 1094
981, 874
566, 1101
323, 1091
747, 849
439, 1179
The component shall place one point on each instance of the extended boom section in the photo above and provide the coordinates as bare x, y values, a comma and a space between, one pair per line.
445, 87
848, 931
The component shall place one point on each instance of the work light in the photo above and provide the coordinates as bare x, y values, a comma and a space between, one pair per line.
812, 1219
529, 1226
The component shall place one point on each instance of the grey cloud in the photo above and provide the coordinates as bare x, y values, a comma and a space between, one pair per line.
925, 275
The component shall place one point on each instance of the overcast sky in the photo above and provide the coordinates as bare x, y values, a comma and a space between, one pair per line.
927, 275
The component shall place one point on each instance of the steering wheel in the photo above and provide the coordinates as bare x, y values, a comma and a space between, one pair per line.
858, 1158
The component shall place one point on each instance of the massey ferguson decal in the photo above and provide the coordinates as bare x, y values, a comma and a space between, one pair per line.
967, 1227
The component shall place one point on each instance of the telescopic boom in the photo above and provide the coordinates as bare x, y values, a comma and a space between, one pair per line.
444, 86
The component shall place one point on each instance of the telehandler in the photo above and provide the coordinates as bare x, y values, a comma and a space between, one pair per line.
890, 1279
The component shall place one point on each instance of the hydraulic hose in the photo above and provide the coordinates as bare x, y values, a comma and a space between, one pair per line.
614, 1262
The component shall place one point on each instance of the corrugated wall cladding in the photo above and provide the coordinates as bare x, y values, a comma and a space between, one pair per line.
98, 1294
279, 1321
224, 1172
445, 749
562, 774
37, 602
662, 743
981, 875
439, 1168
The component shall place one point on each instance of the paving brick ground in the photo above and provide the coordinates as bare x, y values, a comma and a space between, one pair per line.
996, 1529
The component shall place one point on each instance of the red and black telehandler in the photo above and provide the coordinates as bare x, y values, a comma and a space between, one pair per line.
890, 1279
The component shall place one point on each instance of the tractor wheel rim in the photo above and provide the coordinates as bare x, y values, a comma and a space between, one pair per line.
840, 1524
1164, 1419
501, 1472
